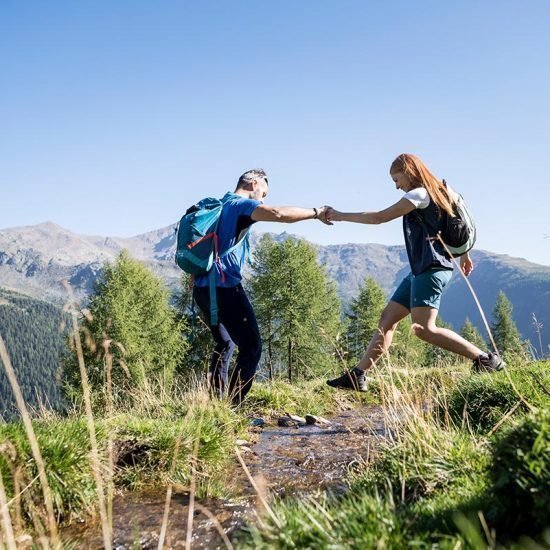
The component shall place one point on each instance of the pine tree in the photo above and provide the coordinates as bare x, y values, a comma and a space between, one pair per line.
198, 335
469, 332
264, 286
31, 332
363, 318
505, 332
297, 307
129, 307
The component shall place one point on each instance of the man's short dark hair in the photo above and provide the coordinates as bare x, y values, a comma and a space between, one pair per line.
249, 176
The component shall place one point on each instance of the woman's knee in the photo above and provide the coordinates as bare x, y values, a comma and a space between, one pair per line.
391, 315
426, 333
387, 323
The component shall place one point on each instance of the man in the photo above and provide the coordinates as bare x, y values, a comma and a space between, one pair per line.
238, 325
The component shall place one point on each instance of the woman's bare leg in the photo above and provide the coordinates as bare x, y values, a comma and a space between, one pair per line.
382, 338
424, 327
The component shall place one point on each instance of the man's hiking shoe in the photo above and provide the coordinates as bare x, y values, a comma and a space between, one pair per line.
351, 380
488, 362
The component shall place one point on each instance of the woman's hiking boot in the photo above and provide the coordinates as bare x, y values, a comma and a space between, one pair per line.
488, 362
351, 380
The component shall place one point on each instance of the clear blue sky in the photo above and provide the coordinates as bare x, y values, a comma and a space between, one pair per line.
116, 115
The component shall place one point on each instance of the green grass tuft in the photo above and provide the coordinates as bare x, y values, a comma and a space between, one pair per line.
313, 397
520, 472
481, 400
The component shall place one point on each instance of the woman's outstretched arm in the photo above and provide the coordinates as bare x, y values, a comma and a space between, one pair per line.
397, 210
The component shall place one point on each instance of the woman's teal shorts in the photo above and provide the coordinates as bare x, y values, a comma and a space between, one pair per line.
422, 290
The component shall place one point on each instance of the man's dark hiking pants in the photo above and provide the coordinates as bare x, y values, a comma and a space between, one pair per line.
237, 317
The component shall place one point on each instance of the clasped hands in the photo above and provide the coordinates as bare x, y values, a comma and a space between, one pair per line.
328, 215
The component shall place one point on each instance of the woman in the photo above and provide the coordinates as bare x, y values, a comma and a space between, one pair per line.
422, 207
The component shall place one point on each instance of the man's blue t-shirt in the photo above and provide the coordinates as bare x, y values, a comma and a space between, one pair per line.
235, 219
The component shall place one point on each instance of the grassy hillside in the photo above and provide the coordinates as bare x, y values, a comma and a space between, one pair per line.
466, 466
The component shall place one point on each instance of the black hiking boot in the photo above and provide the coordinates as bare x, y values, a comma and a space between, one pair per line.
488, 362
351, 380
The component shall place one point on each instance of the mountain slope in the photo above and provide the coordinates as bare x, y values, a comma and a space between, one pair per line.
34, 260
31, 330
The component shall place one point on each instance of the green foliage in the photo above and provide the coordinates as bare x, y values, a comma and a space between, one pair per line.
297, 308
32, 331
311, 396
433, 486
365, 311
469, 332
151, 443
129, 308
483, 399
425, 460
407, 349
360, 521
521, 474
505, 332
199, 338
143, 453
65, 449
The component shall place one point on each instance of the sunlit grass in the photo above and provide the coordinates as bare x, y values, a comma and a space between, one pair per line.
435, 483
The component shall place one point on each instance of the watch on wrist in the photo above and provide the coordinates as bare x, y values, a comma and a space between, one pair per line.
316, 213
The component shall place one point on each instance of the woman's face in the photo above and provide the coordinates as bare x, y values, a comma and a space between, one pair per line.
402, 181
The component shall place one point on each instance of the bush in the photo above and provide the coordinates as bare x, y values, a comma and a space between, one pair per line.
521, 474
143, 454
483, 399
425, 460
65, 448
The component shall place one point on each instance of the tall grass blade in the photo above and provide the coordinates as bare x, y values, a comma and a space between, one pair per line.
192, 486
169, 490
257, 489
96, 465
212, 517
8, 537
32, 440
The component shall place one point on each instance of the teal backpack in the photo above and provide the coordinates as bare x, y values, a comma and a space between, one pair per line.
197, 250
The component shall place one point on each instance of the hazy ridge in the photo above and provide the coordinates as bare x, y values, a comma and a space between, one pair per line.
34, 260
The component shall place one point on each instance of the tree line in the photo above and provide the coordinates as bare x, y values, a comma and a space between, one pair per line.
134, 333
33, 333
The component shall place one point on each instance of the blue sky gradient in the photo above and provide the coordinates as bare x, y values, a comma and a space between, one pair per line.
116, 116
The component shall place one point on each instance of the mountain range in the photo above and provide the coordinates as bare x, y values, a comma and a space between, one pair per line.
35, 259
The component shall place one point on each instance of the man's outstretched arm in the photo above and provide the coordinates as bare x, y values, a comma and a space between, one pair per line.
288, 214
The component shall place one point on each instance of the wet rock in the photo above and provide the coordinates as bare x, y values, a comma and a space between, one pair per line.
299, 419
312, 419
288, 422
291, 421
257, 422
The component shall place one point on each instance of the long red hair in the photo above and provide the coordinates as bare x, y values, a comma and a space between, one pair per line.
420, 176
